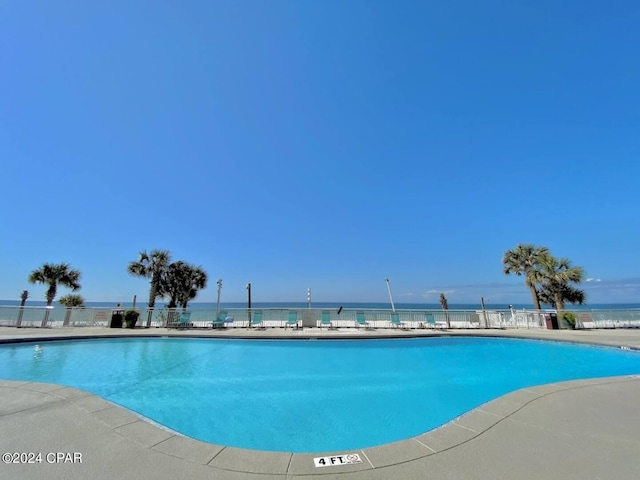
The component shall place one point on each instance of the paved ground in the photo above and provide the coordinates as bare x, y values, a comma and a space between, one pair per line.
587, 429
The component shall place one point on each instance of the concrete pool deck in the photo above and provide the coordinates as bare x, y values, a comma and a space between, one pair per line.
585, 429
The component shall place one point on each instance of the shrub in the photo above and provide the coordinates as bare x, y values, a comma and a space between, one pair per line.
130, 318
570, 319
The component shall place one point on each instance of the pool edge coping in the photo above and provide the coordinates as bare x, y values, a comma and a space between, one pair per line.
465, 428
454, 433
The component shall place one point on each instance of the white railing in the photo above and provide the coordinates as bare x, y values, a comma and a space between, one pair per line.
13, 316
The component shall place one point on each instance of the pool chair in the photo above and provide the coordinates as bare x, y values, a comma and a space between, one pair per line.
325, 320
220, 320
183, 321
256, 319
292, 320
361, 321
430, 321
396, 323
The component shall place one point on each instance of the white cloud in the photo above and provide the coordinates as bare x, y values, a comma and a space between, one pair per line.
591, 279
437, 292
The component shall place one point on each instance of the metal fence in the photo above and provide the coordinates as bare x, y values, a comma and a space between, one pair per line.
41, 317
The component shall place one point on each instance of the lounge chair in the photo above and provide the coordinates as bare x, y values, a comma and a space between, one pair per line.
183, 321
292, 320
396, 323
256, 319
325, 320
361, 321
430, 321
219, 322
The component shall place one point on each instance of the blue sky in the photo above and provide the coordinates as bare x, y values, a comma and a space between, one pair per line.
324, 145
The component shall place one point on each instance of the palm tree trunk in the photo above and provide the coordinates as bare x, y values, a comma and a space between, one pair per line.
51, 294
67, 317
559, 304
149, 315
23, 300
534, 296
153, 292
47, 311
21, 312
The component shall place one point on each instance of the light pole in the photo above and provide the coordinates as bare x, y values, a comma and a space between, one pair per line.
393, 308
249, 302
219, 283
309, 297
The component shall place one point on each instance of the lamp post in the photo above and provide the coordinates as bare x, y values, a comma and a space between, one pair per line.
249, 302
219, 283
309, 297
393, 307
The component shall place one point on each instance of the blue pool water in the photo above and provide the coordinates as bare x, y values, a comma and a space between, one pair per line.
307, 396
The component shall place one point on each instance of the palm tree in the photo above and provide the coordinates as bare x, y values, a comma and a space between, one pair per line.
151, 265
181, 283
172, 282
445, 307
525, 260
54, 274
555, 286
23, 299
70, 301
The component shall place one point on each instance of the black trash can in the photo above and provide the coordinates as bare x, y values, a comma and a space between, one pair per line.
116, 318
551, 320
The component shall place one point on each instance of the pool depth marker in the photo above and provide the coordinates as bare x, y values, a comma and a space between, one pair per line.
344, 459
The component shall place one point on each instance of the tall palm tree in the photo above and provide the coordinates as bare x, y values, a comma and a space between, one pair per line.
555, 286
54, 274
181, 283
525, 260
151, 265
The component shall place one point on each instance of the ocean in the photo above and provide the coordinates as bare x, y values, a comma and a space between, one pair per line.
335, 305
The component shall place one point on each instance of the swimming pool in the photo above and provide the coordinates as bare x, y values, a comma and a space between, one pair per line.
307, 396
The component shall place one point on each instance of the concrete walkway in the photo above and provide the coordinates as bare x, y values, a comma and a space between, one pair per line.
588, 429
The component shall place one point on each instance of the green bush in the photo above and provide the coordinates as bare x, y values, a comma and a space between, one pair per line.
130, 318
570, 319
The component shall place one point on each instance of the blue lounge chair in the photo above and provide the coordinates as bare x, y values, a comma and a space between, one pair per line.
325, 320
430, 321
219, 322
361, 321
396, 323
183, 321
292, 320
256, 319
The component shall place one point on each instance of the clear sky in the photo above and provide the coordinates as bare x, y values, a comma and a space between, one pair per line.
321, 144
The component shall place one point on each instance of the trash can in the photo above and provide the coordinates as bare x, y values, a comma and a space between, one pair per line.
116, 318
551, 320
